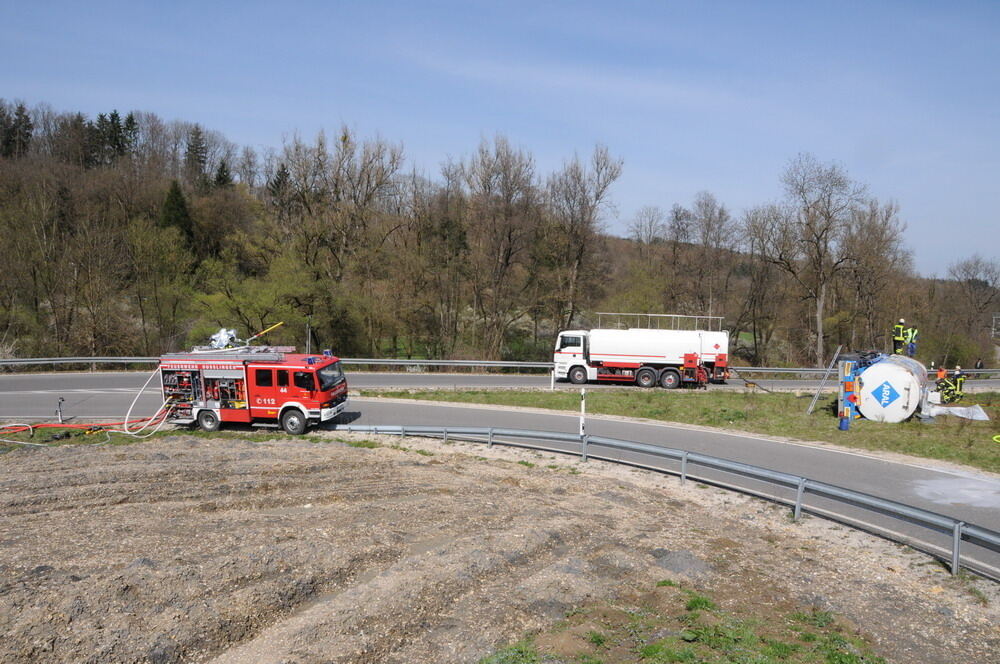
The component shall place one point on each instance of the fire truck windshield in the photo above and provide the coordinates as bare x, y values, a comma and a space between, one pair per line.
329, 376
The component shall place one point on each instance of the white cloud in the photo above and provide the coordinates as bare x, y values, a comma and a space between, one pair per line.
616, 84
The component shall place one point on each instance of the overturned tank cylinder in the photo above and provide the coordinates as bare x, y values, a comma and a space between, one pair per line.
891, 389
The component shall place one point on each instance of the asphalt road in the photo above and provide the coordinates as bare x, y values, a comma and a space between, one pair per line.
81, 383
966, 495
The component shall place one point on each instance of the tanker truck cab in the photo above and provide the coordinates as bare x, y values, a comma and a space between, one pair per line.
570, 357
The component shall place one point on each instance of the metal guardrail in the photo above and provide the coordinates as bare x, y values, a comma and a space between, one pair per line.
590, 447
24, 361
358, 361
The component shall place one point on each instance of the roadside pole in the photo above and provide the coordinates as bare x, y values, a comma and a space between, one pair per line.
552, 379
583, 411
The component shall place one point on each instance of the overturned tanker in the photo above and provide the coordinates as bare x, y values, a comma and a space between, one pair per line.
892, 388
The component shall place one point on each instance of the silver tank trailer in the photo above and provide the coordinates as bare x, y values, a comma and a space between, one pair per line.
891, 389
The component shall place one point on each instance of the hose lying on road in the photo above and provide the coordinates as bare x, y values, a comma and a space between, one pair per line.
156, 420
750, 383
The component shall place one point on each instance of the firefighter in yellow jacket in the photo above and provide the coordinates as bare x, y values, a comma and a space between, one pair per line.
898, 337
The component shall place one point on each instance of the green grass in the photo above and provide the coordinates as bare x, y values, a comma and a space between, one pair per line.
519, 653
655, 634
56, 436
813, 618
698, 602
366, 444
947, 438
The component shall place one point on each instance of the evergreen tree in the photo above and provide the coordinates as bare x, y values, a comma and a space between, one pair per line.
196, 157
174, 211
130, 132
223, 178
279, 189
15, 132
6, 123
99, 139
115, 139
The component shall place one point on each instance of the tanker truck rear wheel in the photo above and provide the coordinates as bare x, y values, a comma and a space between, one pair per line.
578, 375
670, 379
645, 378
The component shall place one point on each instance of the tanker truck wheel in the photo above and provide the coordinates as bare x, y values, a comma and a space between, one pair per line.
670, 379
645, 378
578, 375
208, 421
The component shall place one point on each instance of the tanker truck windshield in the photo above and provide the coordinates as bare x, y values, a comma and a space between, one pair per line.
329, 376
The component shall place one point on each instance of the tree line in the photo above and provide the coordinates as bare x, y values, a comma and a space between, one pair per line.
134, 235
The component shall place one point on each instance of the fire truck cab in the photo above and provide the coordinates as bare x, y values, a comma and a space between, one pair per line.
265, 388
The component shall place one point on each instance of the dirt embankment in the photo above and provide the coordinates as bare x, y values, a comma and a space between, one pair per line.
187, 549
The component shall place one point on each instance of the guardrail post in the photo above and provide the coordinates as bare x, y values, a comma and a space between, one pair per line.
684, 466
798, 498
956, 544
584, 442
402, 432
489, 442
445, 434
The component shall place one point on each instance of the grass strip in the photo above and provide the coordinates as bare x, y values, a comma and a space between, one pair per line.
667, 626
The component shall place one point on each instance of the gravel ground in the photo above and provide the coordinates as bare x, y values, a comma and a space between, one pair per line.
249, 550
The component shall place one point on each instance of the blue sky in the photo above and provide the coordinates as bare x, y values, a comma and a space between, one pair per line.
694, 96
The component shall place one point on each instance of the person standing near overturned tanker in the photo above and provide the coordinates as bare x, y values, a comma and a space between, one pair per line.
898, 337
911, 341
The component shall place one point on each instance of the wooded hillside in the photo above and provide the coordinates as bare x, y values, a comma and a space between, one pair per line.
134, 235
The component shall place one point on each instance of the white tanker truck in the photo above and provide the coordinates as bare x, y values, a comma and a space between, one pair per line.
646, 357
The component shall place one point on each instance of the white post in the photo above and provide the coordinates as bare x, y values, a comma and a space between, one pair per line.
552, 379
583, 410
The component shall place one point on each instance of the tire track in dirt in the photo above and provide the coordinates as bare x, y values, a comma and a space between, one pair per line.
184, 549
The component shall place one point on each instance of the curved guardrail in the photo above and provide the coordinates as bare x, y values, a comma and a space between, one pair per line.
394, 362
598, 447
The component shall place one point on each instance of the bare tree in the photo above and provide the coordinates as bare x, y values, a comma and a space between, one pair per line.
764, 297
977, 285
649, 226
578, 195
807, 239
248, 167
504, 204
715, 235
875, 241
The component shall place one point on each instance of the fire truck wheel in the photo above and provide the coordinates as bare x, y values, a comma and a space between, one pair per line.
208, 420
578, 375
293, 422
670, 379
645, 377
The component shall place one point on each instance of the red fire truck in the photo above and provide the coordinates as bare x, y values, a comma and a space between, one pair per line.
262, 387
